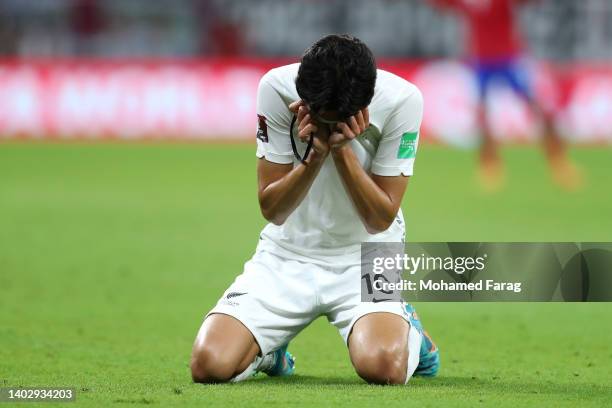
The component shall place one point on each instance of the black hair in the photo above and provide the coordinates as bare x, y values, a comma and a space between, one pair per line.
337, 73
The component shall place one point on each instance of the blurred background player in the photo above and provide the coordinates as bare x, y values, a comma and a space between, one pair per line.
496, 53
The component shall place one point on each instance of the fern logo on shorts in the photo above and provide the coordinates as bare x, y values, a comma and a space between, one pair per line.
407, 146
235, 294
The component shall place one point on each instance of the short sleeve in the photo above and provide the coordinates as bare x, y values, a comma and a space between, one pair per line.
400, 136
273, 121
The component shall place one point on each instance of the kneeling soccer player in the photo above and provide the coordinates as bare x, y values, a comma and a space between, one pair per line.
364, 126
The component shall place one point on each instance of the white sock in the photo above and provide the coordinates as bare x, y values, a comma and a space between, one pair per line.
267, 362
259, 364
414, 351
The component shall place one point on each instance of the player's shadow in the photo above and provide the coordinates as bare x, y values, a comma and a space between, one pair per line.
492, 384
298, 379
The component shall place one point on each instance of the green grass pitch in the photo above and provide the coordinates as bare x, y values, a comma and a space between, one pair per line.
111, 254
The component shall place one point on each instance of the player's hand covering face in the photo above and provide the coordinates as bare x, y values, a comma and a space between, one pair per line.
307, 125
328, 134
349, 129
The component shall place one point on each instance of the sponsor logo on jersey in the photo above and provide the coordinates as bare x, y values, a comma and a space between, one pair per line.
407, 147
262, 128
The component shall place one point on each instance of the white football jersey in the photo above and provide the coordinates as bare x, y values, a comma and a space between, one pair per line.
325, 228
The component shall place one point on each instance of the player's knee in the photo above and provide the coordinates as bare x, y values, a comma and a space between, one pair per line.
209, 366
385, 365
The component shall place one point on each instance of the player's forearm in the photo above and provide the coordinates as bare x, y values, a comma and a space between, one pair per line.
280, 198
374, 206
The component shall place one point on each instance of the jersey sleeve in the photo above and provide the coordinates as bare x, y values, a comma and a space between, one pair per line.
400, 137
274, 119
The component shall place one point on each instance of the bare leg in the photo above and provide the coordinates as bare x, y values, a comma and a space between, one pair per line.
378, 346
491, 170
223, 348
564, 172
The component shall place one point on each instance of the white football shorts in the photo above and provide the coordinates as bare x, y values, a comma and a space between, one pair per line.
276, 297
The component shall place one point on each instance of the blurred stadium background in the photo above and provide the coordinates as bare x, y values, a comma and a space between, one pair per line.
188, 69
111, 252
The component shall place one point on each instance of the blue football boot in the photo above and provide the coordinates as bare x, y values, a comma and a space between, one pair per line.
284, 363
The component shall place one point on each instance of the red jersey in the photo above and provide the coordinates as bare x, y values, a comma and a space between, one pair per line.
491, 25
